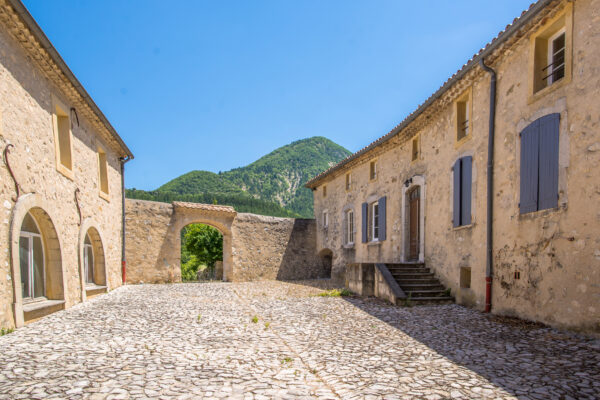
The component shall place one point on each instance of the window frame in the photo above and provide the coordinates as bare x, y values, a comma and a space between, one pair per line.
348, 181
551, 39
415, 156
88, 247
373, 221
562, 21
373, 170
350, 235
467, 98
324, 191
30, 273
325, 218
59, 110
104, 194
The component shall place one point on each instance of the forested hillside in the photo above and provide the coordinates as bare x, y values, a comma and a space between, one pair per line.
278, 177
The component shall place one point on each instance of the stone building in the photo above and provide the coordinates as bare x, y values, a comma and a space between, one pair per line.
420, 193
60, 179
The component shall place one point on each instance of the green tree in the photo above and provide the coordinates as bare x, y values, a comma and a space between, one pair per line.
204, 244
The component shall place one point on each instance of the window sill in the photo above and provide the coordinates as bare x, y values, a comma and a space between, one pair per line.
65, 171
104, 195
348, 246
541, 213
549, 89
374, 243
93, 289
463, 227
462, 141
35, 310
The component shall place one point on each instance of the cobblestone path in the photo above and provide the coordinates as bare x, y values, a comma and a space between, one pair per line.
188, 341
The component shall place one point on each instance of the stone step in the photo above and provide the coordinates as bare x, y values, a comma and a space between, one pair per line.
401, 276
413, 281
432, 300
408, 269
427, 293
421, 286
407, 264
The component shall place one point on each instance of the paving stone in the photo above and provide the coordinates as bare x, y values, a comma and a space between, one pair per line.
146, 341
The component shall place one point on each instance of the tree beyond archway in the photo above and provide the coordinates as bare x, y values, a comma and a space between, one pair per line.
201, 248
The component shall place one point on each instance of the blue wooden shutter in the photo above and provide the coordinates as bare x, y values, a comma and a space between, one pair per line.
365, 208
382, 218
530, 138
465, 190
456, 194
548, 159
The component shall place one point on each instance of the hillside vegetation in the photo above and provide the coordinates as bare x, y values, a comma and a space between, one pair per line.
272, 185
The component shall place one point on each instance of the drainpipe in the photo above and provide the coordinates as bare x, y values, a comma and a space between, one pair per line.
123, 160
490, 189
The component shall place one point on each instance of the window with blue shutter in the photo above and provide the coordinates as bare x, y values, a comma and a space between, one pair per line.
365, 222
382, 218
461, 211
539, 164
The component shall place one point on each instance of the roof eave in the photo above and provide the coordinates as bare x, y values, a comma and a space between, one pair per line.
474, 62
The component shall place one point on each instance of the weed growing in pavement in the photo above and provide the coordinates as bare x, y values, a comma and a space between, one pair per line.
6, 331
254, 319
267, 324
336, 293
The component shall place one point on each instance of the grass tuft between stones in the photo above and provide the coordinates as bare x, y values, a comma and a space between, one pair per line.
336, 293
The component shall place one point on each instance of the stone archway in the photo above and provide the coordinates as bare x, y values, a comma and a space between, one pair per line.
326, 256
55, 278
89, 228
219, 217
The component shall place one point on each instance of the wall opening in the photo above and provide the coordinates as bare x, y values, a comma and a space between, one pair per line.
465, 277
201, 253
326, 257
93, 263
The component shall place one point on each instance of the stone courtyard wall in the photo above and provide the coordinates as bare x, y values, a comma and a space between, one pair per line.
275, 248
261, 247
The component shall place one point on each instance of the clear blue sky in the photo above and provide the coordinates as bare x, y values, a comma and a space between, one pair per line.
216, 84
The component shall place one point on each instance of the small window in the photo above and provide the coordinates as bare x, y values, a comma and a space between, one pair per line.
31, 260
463, 116
325, 219
373, 170
349, 227
88, 260
62, 135
348, 181
103, 171
415, 149
374, 222
465, 277
551, 52
324, 191
462, 171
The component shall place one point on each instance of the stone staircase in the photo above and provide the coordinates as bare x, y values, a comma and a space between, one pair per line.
419, 284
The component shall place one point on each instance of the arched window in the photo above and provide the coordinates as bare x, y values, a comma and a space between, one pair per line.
88, 260
31, 256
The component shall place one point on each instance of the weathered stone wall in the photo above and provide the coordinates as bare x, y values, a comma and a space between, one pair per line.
261, 247
152, 253
26, 122
275, 248
556, 251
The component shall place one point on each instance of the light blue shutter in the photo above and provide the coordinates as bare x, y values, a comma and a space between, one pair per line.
548, 155
382, 218
530, 137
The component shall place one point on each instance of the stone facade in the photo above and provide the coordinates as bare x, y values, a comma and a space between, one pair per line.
546, 263
31, 85
255, 247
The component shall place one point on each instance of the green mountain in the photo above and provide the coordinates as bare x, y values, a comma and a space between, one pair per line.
278, 177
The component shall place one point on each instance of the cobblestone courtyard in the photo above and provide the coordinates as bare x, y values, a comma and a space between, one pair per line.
187, 341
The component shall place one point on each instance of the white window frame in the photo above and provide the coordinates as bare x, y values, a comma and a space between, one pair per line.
325, 219
350, 227
373, 173
29, 236
374, 221
86, 265
551, 40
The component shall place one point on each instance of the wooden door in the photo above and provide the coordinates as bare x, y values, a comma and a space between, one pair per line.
413, 227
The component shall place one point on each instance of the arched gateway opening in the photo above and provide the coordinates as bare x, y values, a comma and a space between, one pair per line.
201, 253
217, 221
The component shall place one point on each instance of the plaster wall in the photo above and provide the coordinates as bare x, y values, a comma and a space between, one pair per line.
556, 251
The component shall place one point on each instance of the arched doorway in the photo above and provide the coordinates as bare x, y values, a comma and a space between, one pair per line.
201, 253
